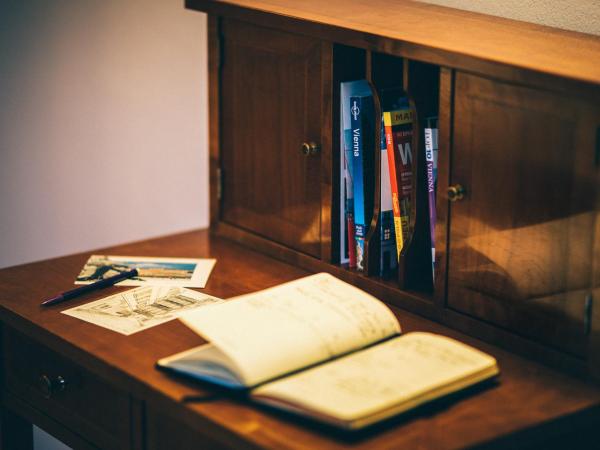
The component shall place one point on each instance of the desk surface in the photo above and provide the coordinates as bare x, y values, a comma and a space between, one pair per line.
529, 403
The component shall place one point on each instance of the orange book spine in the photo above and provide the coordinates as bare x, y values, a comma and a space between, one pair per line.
389, 140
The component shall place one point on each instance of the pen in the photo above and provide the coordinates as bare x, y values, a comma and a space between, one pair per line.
67, 295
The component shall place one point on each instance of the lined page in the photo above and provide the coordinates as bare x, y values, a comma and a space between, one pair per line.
382, 380
287, 327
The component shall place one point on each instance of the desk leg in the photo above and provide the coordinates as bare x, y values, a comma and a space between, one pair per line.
15, 432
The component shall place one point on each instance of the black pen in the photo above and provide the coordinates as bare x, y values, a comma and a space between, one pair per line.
90, 287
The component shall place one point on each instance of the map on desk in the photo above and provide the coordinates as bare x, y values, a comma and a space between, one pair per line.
140, 308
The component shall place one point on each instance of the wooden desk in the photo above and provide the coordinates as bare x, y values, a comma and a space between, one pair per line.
115, 398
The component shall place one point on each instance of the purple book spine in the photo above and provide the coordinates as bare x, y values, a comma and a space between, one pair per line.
431, 191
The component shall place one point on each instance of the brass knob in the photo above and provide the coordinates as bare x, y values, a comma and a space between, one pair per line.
456, 192
309, 148
50, 386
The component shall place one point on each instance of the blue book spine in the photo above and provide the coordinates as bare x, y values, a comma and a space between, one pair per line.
361, 120
349, 200
387, 260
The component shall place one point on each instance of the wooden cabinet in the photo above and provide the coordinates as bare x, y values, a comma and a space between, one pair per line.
97, 413
272, 126
517, 258
522, 238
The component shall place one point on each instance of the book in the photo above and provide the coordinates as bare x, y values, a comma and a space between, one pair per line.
350, 243
431, 166
432, 124
398, 134
347, 242
323, 349
388, 260
362, 118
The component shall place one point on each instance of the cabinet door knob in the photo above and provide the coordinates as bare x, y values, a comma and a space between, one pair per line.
456, 192
51, 385
309, 148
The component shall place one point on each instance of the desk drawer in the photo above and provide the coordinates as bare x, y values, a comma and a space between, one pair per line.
70, 395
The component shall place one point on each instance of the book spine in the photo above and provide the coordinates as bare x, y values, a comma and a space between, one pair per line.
362, 165
403, 155
343, 234
389, 139
388, 260
434, 138
430, 166
349, 200
398, 131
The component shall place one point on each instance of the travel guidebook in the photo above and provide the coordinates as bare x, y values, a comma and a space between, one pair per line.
322, 348
431, 148
398, 134
347, 241
388, 260
362, 118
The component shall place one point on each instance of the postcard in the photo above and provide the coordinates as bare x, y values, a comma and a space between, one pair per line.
182, 272
140, 308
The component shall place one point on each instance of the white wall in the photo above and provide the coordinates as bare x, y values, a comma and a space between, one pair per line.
103, 135
575, 15
102, 124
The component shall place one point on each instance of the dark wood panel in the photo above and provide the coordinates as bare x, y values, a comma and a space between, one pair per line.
50, 425
16, 433
326, 151
164, 432
214, 149
521, 240
422, 82
272, 96
97, 411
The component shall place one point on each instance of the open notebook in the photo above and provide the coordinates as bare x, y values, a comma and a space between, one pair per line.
324, 349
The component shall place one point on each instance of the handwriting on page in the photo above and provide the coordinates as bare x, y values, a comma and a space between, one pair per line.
381, 376
337, 318
294, 325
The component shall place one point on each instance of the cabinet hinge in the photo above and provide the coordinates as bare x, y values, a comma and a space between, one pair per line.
587, 314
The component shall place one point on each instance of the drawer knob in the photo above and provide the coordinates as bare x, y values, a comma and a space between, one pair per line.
51, 385
456, 192
309, 148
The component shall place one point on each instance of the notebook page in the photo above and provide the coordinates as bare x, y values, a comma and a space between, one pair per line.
287, 327
395, 375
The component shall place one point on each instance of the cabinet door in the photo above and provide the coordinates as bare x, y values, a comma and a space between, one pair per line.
522, 238
272, 95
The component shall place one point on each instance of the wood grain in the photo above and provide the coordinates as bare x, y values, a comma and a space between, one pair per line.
273, 100
462, 39
529, 404
521, 241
